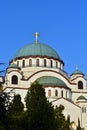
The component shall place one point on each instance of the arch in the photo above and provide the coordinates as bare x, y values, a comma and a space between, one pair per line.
80, 85
30, 62
14, 79
56, 93
83, 109
49, 92
23, 63
17, 63
37, 62
48, 72
45, 63
51, 63
62, 93
56, 64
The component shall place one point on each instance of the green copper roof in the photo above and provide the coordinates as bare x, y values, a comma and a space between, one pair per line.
47, 80
13, 66
81, 98
36, 49
77, 72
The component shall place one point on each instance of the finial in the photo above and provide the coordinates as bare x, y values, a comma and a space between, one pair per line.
36, 35
76, 67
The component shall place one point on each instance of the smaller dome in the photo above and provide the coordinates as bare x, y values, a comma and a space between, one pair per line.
77, 72
13, 66
81, 98
49, 80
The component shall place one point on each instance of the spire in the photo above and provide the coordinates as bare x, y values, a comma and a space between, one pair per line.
36, 35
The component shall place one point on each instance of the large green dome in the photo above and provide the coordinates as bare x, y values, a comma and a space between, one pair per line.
36, 49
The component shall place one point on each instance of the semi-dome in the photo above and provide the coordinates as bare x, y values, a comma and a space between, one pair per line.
50, 80
81, 98
36, 49
14, 66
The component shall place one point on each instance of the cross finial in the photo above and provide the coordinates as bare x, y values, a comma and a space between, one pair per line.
36, 35
76, 67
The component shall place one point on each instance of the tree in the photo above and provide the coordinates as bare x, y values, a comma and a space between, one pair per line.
15, 113
61, 122
79, 127
68, 123
4, 102
40, 113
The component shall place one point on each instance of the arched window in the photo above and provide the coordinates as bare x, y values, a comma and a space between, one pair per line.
56, 64
56, 92
80, 85
83, 109
17, 63
23, 63
45, 64
62, 93
37, 62
14, 79
30, 62
51, 64
49, 93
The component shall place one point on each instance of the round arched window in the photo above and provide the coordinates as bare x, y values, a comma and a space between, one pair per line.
14, 79
80, 85
56, 93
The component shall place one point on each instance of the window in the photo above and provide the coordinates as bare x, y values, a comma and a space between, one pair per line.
56, 93
37, 62
30, 62
23, 63
56, 64
51, 63
62, 93
49, 93
83, 109
45, 64
17, 63
80, 85
14, 79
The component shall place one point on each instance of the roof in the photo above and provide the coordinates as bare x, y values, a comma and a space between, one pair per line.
77, 72
13, 66
81, 98
36, 49
49, 80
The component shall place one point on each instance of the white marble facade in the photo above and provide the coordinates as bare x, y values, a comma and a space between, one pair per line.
48, 69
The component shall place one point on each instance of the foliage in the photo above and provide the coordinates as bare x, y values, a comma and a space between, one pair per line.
79, 127
4, 102
40, 113
68, 123
15, 114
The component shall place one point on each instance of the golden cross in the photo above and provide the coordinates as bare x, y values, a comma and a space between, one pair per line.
36, 35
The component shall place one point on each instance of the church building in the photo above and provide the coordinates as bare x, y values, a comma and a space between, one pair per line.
40, 62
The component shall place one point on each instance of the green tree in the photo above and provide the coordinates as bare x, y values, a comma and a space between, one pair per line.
15, 113
61, 122
4, 101
68, 123
79, 127
40, 113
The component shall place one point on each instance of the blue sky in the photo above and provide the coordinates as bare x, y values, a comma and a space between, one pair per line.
62, 24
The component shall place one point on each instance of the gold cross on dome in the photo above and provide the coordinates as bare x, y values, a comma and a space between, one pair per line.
36, 35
